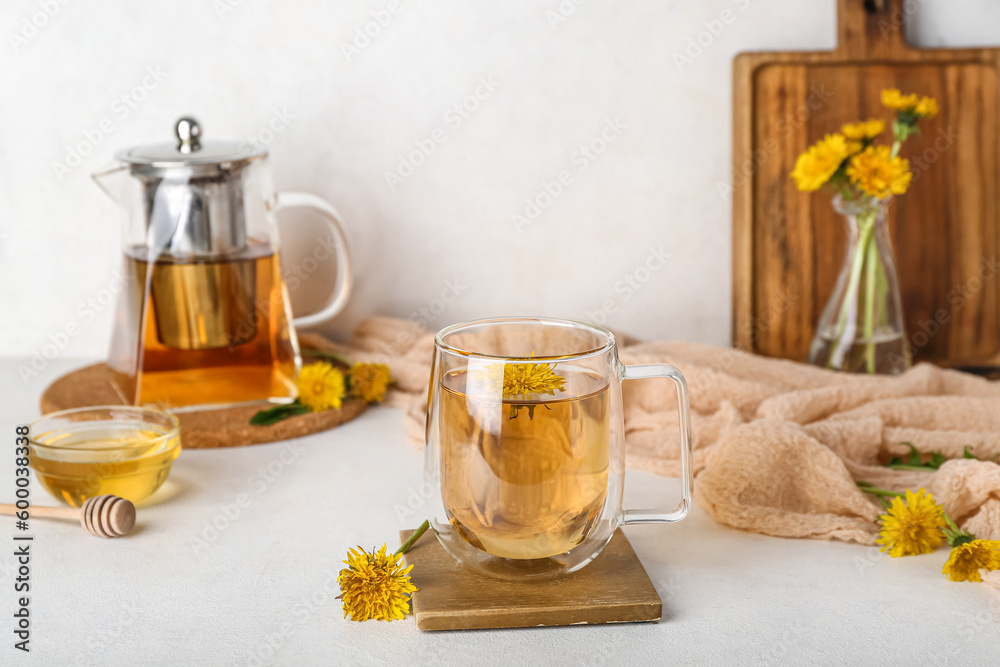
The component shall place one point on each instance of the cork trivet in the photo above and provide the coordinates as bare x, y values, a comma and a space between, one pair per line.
226, 427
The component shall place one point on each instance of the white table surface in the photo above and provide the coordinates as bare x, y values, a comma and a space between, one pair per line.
254, 592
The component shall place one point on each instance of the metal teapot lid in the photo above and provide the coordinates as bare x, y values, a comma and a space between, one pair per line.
190, 152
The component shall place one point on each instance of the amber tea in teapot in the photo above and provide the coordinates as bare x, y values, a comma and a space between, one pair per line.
205, 318
212, 328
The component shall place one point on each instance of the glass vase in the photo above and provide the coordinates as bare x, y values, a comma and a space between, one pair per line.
861, 329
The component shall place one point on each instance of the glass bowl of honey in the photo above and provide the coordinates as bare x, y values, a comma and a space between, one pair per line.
122, 450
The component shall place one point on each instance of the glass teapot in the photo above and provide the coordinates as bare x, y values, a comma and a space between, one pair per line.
205, 318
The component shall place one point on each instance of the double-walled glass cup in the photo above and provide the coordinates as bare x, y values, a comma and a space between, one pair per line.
526, 444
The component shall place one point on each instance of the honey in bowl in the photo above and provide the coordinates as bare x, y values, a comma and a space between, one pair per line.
124, 451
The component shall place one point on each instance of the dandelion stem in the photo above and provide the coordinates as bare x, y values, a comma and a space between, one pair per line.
847, 322
413, 538
895, 147
844, 189
869, 488
871, 257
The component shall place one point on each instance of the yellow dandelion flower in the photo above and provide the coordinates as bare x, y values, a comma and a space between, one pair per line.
878, 174
321, 386
927, 107
375, 585
967, 559
522, 379
893, 99
370, 381
921, 107
913, 527
820, 162
864, 130
854, 146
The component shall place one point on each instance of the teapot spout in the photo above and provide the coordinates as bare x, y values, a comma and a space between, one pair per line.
106, 178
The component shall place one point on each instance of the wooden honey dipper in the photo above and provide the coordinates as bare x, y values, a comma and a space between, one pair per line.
103, 516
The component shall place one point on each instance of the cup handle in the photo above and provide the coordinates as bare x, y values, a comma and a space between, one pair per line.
644, 372
342, 289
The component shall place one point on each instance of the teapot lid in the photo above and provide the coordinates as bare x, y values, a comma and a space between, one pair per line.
190, 151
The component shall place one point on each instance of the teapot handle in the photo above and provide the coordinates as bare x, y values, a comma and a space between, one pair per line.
342, 289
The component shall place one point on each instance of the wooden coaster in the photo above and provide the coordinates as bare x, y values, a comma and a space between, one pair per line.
226, 427
613, 589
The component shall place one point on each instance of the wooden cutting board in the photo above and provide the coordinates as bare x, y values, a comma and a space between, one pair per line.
788, 246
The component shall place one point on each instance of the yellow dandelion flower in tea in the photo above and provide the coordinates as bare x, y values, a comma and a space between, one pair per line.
913, 527
878, 174
967, 559
370, 381
321, 386
814, 168
523, 379
375, 585
864, 130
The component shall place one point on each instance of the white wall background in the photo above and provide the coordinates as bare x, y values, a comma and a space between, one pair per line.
232, 63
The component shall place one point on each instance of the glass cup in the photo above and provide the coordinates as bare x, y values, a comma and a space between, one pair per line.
526, 444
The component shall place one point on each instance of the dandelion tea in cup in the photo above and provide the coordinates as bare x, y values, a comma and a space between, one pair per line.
524, 456
524, 463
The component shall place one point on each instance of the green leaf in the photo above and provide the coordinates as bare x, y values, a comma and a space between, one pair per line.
912, 460
937, 458
278, 413
915, 462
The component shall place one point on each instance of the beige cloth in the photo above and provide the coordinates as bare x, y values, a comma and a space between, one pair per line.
778, 445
